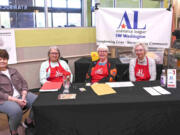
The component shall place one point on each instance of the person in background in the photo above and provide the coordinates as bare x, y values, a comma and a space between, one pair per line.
14, 95
142, 68
54, 69
101, 70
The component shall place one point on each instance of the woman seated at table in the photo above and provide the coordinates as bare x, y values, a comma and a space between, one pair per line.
54, 69
142, 68
101, 70
14, 95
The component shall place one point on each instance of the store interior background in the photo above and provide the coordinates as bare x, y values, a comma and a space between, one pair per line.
71, 27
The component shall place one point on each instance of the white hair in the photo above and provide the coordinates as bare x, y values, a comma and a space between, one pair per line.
54, 47
102, 46
142, 45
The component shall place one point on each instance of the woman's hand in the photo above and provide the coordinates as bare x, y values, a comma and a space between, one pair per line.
24, 94
21, 102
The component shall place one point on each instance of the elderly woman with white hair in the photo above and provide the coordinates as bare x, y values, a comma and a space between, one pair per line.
142, 68
101, 70
54, 69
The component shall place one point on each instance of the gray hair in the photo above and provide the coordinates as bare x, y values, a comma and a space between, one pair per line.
53, 47
102, 46
142, 45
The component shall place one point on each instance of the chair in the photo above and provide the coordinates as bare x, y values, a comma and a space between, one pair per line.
61, 58
4, 120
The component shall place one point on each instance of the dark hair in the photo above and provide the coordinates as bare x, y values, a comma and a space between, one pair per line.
4, 54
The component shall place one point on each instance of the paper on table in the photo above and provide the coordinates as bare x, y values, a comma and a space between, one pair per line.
82, 89
161, 90
88, 84
152, 91
120, 84
67, 96
48, 90
102, 89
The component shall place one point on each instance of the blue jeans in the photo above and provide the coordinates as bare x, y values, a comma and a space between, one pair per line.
14, 111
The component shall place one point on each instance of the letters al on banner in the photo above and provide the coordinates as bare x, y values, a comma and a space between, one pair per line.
7, 41
125, 27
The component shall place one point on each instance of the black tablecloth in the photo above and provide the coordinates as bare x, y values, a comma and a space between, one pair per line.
131, 111
82, 66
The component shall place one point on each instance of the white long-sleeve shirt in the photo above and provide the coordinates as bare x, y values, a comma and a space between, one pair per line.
152, 68
44, 75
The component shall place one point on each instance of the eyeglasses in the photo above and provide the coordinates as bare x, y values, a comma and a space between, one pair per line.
102, 51
139, 50
54, 53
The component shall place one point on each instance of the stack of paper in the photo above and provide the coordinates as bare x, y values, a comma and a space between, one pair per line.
66, 96
152, 91
51, 86
157, 90
161, 90
120, 84
102, 89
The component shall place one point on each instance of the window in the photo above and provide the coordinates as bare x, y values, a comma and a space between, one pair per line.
40, 17
93, 19
40, 20
21, 20
107, 3
74, 4
125, 4
74, 19
40, 3
59, 3
30, 13
59, 19
5, 19
4, 2
151, 4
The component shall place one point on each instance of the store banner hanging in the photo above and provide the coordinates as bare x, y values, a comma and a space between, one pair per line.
127, 26
7, 41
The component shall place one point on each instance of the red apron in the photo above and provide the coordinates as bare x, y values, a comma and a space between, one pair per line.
57, 73
99, 72
142, 71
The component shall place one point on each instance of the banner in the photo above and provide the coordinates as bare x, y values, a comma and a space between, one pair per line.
7, 41
127, 26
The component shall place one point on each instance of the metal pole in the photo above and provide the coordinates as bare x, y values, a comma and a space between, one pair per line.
46, 13
84, 13
162, 4
114, 4
140, 3
0, 20
67, 13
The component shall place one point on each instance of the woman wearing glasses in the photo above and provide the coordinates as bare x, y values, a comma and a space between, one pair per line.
101, 70
54, 69
142, 68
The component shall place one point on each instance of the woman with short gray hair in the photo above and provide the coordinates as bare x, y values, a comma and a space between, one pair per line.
54, 69
101, 70
142, 68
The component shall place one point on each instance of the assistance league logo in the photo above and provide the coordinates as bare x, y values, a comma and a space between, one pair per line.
131, 28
